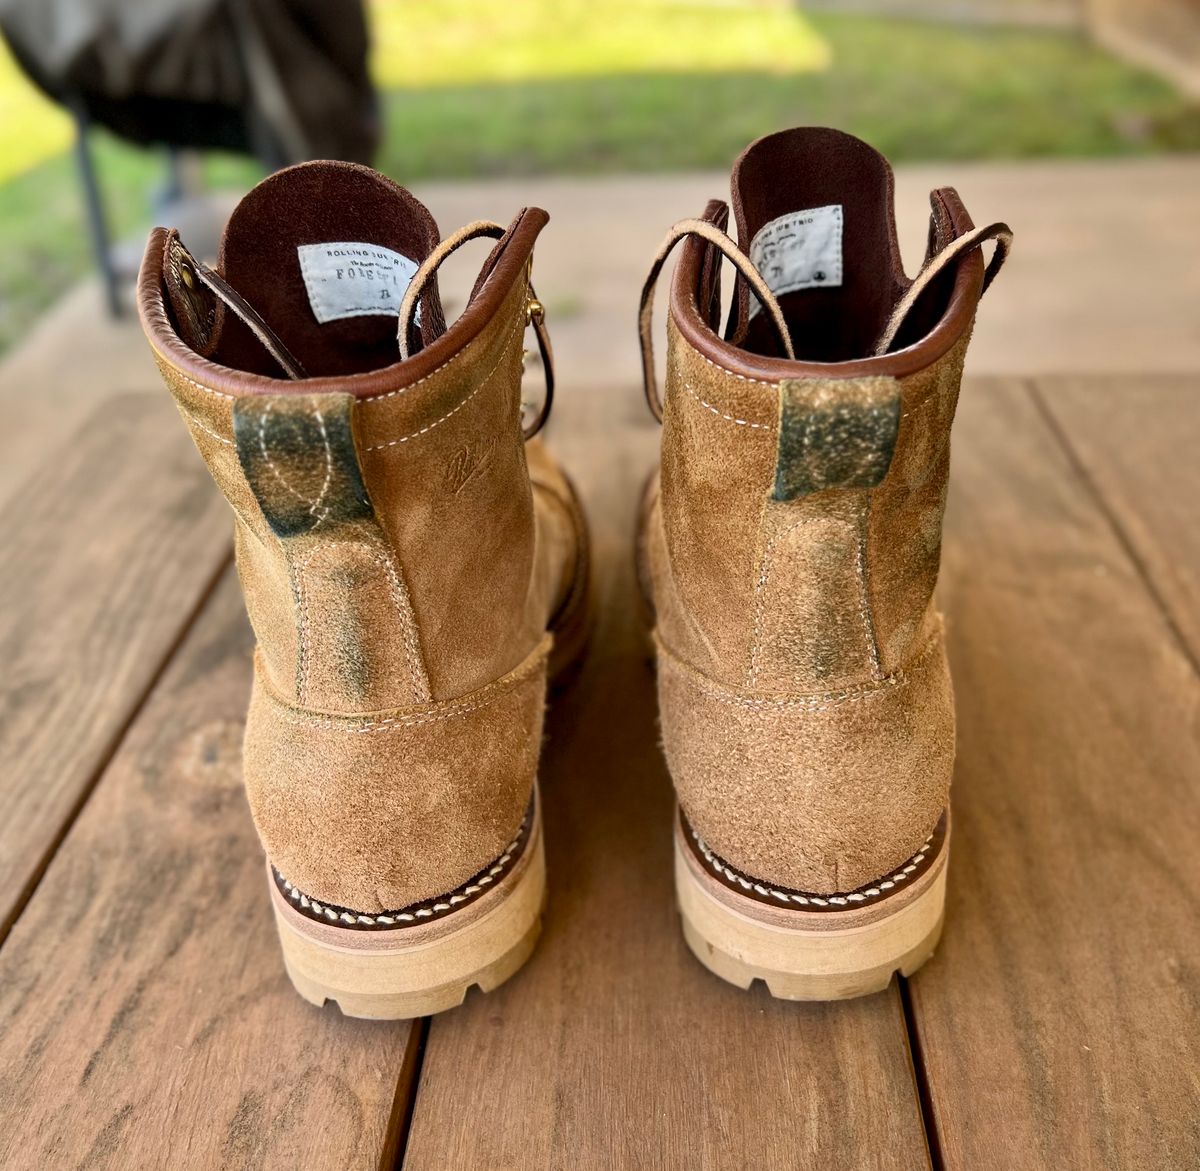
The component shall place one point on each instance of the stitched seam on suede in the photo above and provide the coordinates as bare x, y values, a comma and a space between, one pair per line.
374, 398
299, 600
864, 617
508, 347
266, 454
201, 386
717, 366
721, 414
764, 574
195, 422
404, 612
328, 475
859, 896
819, 702
864, 597
495, 693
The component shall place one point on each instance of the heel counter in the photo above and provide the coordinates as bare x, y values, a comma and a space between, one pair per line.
820, 792
381, 810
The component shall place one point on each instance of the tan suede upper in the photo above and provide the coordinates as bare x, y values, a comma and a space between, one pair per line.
402, 551
791, 549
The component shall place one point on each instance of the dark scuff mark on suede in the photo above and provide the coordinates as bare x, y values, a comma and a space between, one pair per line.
299, 458
835, 434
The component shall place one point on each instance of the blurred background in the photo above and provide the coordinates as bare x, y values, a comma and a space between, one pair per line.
115, 115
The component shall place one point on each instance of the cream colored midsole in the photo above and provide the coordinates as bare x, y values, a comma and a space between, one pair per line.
767, 940
450, 952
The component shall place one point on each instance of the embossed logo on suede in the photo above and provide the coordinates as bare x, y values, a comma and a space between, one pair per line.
467, 463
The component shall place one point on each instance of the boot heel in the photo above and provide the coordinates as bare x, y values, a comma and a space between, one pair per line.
412, 971
833, 948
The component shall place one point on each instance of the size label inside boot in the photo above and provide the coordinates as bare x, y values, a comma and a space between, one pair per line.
800, 250
346, 279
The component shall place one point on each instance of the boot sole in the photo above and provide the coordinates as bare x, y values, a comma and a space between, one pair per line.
414, 971
831, 953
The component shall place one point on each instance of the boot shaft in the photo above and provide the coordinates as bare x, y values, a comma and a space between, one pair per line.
802, 500
384, 517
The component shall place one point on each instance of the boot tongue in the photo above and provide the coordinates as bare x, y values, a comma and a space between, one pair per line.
814, 213
324, 252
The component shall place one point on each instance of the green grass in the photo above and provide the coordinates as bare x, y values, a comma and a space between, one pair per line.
473, 88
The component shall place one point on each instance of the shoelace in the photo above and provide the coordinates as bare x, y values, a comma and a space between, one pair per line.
535, 313
937, 264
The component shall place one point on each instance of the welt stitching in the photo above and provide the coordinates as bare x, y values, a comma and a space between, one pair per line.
508, 345
859, 896
426, 910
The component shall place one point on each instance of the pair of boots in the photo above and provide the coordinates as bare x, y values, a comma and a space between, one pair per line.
415, 568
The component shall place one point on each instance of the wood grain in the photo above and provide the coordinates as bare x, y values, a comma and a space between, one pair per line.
1137, 442
614, 1048
108, 550
145, 1018
1060, 1021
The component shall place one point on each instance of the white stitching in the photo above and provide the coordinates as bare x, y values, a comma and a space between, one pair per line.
200, 385
864, 601
730, 374
721, 414
723, 868
429, 908
759, 606
365, 399
821, 702
268, 407
300, 601
400, 599
394, 722
192, 419
504, 353
328, 474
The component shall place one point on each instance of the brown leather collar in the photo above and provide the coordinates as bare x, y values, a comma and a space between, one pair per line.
949, 218
501, 272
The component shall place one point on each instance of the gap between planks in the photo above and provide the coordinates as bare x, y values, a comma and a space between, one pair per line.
1096, 493
104, 759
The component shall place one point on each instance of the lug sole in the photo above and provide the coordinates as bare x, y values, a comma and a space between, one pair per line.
415, 971
807, 955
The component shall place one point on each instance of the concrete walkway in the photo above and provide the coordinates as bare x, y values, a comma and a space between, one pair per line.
1104, 278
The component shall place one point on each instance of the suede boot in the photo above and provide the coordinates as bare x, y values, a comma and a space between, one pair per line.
414, 567
789, 549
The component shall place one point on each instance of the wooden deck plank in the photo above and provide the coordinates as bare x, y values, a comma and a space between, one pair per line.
108, 550
145, 1017
1058, 1023
614, 1048
1137, 441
